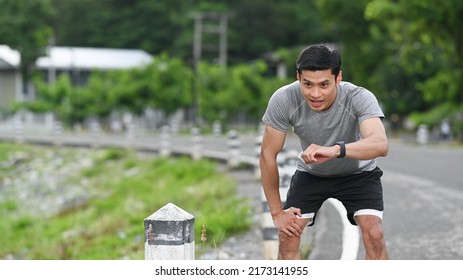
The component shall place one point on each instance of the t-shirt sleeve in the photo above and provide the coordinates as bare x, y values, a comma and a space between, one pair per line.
368, 106
277, 114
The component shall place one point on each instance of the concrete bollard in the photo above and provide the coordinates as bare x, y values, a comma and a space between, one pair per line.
57, 133
164, 149
257, 150
130, 134
196, 139
422, 135
18, 129
287, 168
217, 128
95, 130
234, 144
169, 234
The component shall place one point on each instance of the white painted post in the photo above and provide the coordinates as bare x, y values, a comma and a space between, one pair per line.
18, 128
422, 135
96, 131
197, 152
164, 149
169, 234
130, 134
257, 150
233, 148
57, 132
217, 128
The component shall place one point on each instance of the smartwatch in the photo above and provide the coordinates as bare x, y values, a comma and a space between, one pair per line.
342, 152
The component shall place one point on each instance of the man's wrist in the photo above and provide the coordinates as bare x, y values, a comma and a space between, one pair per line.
342, 149
276, 212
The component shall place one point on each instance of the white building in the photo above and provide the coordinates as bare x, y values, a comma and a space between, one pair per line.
77, 61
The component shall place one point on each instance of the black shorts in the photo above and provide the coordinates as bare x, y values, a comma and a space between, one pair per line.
356, 192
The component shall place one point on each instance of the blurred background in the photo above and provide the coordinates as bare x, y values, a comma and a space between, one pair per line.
206, 61
144, 75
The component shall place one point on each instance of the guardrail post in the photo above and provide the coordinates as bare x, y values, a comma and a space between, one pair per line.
197, 152
164, 149
57, 132
18, 128
217, 128
234, 148
422, 135
95, 129
169, 234
257, 151
130, 134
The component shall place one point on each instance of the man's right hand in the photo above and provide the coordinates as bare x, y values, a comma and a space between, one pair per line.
287, 222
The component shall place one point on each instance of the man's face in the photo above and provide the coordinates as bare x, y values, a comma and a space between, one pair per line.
319, 88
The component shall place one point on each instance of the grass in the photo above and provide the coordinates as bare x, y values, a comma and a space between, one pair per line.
123, 189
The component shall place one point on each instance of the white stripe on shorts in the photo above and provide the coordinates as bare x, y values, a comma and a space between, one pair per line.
373, 212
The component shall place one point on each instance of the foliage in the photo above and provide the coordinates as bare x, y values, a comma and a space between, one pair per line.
408, 52
241, 90
123, 189
25, 26
160, 26
164, 84
426, 43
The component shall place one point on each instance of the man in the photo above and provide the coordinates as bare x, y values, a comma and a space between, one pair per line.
340, 130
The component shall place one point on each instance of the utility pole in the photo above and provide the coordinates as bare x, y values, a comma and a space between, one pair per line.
207, 23
210, 23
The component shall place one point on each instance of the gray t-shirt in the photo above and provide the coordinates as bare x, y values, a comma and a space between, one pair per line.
353, 104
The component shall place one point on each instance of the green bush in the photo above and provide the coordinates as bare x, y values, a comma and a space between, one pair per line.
122, 190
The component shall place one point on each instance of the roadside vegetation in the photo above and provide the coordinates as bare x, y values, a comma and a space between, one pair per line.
62, 203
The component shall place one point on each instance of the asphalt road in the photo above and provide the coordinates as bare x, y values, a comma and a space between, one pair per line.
423, 192
423, 196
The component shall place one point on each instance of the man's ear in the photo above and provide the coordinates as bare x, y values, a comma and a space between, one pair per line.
298, 76
339, 78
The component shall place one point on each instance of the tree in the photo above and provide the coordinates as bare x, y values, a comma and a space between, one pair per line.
139, 24
426, 40
25, 26
240, 92
167, 25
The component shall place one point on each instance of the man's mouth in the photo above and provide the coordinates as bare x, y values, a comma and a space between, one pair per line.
316, 103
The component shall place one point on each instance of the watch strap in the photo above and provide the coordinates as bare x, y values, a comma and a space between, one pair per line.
342, 151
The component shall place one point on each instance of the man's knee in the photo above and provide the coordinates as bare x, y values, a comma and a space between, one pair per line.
373, 237
371, 227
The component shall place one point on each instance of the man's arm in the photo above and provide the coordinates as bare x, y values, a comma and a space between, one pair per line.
373, 144
272, 143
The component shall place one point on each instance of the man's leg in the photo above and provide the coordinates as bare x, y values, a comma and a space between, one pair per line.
289, 245
373, 237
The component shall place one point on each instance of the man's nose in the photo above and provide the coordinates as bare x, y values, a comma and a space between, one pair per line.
315, 92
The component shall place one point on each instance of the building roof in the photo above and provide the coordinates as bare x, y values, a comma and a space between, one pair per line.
93, 58
9, 58
81, 58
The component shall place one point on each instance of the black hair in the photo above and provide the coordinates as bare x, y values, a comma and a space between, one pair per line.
319, 57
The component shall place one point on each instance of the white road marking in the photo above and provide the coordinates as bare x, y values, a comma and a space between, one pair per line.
350, 233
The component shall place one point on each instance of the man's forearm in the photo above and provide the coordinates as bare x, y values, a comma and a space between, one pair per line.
368, 148
271, 184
